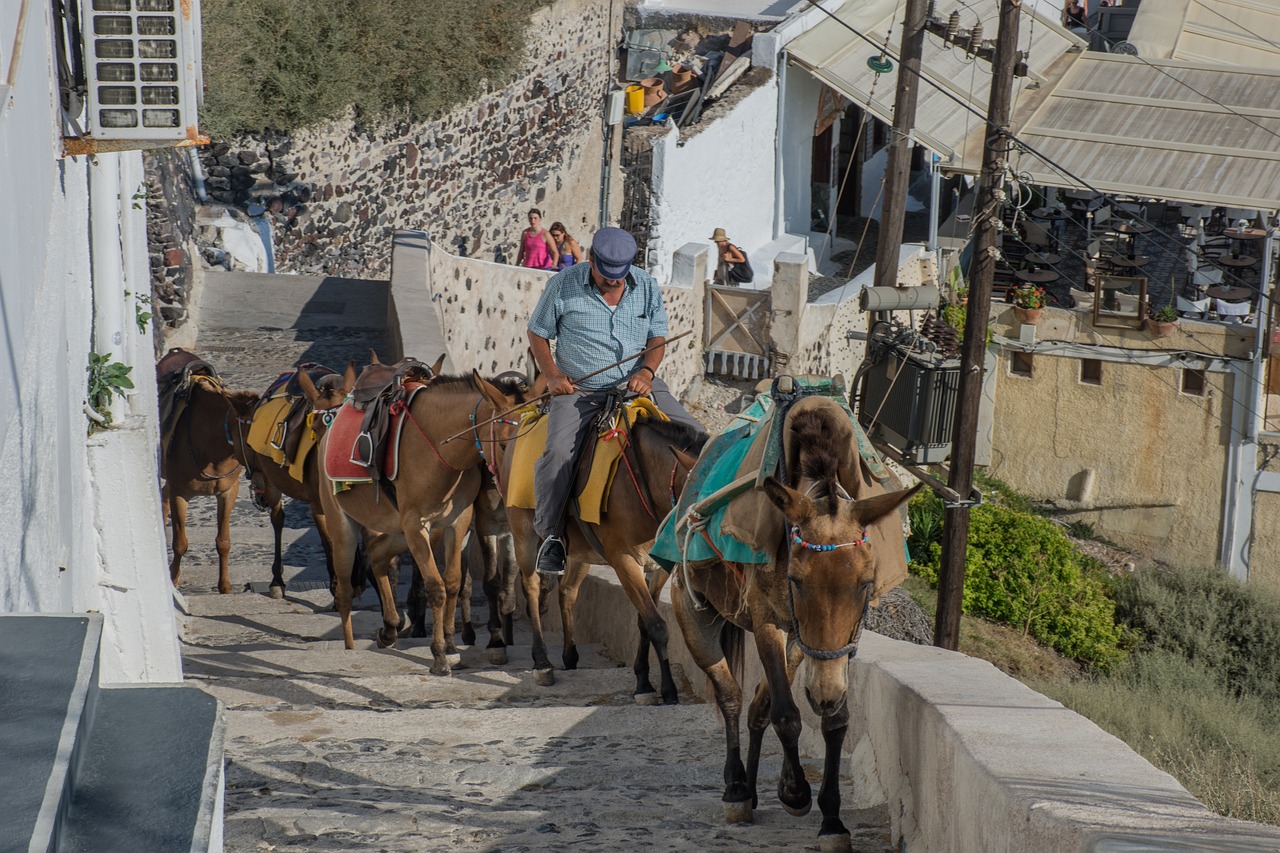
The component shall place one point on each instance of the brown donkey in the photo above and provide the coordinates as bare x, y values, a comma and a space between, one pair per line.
202, 424
808, 603
434, 490
271, 481
637, 503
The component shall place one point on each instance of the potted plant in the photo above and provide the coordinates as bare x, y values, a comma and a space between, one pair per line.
1028, 303
1163, 321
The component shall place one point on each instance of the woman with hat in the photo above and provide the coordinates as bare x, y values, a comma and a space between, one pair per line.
729, 255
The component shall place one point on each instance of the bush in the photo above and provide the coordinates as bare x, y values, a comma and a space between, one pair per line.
1022, 571
287, 64
1212, 620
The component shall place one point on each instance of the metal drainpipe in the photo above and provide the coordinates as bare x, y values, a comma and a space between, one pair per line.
197, 174
107, 263
779, 210
935, 200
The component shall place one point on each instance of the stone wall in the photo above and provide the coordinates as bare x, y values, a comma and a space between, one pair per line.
171, 214
467, 178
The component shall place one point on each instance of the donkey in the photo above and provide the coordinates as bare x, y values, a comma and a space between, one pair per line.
636, 505
198, 454
436, 486
807, 604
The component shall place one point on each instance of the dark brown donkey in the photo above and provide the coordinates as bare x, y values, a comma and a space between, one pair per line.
434, 490
201, 423
271, 481
809, 602
649, 480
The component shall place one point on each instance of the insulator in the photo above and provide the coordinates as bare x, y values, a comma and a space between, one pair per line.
932, 11
953, 24
975, 35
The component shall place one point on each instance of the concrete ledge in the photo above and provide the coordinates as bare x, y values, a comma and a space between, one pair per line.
413, 324
967, 758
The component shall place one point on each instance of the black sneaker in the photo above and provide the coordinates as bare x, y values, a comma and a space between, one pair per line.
551, 556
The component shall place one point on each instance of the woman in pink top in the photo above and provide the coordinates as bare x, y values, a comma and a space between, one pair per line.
537, 249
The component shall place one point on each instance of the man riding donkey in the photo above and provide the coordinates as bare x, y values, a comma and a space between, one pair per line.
599, 313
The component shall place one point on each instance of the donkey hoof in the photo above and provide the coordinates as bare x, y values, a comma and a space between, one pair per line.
496, 657
646, 699
544, 677
387, 639
838, 842
798, 811
276, 592
453, 658
468, 635
404, 622
441, 667
738, 812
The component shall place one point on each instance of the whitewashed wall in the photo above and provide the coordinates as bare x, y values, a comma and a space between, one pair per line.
81, 524
799, 111
484, 309
720, 177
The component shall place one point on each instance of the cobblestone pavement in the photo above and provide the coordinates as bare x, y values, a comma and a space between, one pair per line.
329, 749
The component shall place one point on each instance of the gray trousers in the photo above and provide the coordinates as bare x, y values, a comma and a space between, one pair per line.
567, 425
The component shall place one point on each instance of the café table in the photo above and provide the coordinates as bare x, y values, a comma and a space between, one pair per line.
1131, 228
1241, 262
1229, 293
1037, 276
1054, 216
1043, 258
1245, 234
1127, 262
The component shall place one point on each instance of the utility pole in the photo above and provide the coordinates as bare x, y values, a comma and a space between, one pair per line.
897, 173
955, 532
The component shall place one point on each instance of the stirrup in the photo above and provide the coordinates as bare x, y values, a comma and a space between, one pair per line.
552, 557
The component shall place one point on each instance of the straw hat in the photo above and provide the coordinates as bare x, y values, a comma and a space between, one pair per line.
654, 91
718, 236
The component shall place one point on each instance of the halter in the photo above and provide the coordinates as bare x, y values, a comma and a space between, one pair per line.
850, 648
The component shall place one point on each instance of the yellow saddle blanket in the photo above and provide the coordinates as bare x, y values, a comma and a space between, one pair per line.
604, 463
266, 435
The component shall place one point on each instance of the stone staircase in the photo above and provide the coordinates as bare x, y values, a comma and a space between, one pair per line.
93, 768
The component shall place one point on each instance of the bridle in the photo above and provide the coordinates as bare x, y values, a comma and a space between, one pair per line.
491, 459
850, 648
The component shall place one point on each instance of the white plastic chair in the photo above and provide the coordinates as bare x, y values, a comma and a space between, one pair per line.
1232, 312
1196, 308
1036, 234
1206, 277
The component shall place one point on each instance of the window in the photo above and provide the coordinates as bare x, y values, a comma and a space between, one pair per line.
1020, 363
1193, 382
1091, 371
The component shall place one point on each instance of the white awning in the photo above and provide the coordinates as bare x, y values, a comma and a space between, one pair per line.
1167, 129
1226, 32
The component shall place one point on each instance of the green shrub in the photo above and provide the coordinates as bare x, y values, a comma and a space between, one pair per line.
1210, 619
287, 64
1022, 571
925, 512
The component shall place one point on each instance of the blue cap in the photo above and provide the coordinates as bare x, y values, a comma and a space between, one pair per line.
613, 250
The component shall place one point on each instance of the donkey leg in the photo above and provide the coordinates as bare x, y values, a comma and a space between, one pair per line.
433, 586
472, 563
509, 575
417, 606
496, 651
276, 504
834, 835
527, 554
656, 579
178, 518
630, 572
344, 554
451, 574
793, 789
226, 500
382, 549
701, 630
570, 585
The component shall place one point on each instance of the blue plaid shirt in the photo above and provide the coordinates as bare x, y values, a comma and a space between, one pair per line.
590, 333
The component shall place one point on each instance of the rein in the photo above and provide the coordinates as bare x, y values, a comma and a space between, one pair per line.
490, 460
850, 648
399, 406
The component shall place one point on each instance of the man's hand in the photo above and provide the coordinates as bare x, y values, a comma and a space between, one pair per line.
560, 385
640, 383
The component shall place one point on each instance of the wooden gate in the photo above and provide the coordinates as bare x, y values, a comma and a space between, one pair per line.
737, 332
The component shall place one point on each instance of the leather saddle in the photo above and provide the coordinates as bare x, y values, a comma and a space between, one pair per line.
174, 374
377, 389
288, 432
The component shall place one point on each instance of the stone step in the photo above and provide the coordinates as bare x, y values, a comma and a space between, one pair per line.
511, 779
48, 673
149, 776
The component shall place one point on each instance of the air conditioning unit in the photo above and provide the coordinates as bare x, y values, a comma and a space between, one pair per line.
142, 65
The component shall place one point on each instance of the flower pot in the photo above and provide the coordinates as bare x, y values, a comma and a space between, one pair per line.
1159, 329
1027, 316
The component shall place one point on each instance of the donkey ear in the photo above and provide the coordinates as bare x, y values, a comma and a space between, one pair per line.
490, 392
308, 387
439, 365
348, 378
539, 386
796, 508
684, 460
871, 510
373, 357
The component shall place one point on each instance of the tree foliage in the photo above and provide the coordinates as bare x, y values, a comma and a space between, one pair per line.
287, 64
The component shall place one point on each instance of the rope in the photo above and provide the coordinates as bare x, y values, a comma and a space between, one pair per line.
398, 407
